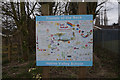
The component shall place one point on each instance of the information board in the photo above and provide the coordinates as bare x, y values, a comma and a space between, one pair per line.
64, 40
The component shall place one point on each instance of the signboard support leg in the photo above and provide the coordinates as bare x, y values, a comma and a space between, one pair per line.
82, 72
45, 12
46, 71
82, 9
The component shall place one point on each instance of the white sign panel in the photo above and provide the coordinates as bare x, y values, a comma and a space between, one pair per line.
64, 40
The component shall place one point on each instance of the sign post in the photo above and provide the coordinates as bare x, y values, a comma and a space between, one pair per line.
82, 10
64, 41
45, 12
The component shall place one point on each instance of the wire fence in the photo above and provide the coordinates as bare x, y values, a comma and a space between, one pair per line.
108, 39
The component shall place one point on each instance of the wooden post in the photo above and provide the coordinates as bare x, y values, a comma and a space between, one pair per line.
82, 9
45, 9
45, 12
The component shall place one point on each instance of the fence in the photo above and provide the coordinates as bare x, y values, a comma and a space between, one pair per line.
108, 39
10, 49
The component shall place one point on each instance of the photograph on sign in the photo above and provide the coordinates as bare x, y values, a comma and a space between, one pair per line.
64, 40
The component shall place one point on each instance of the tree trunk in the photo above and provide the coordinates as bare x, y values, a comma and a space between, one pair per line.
25, 46
24, 31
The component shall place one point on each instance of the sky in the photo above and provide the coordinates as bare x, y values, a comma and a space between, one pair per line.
112, 11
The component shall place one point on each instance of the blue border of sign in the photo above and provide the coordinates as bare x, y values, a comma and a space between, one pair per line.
64, 17
64, 63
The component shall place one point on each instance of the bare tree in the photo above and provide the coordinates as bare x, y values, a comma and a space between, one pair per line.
20, 12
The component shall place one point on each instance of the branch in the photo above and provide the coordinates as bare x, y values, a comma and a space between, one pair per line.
102, 3
32, 9
6, 12
13, 9
98, 10
18, 10
66, 11
9, 13
14, 13
55, 8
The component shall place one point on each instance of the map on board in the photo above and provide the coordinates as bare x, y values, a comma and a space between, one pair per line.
64, 40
